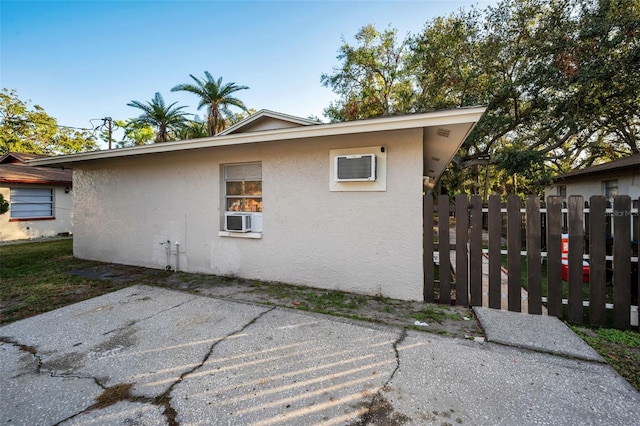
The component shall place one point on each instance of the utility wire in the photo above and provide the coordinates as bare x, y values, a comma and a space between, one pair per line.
48, 124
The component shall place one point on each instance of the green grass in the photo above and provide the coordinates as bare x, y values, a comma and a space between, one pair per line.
328, 301
431, 313
620, 348
34, 279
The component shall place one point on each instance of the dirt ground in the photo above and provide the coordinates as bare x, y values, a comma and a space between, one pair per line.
451, 321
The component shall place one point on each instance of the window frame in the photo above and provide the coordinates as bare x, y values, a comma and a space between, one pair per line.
256, 215
14, 202
608, 186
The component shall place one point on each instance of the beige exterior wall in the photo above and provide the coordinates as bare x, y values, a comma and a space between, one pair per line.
628, 184
29, 229
369, 242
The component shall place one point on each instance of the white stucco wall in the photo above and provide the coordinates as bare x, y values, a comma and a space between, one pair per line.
367, 242
628, 184
28, 229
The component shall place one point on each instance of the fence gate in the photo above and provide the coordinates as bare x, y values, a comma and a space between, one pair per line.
572, 259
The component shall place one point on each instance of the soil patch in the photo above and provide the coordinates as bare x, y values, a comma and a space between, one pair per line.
454, 321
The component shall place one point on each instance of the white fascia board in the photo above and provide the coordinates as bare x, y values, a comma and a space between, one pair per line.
380, 124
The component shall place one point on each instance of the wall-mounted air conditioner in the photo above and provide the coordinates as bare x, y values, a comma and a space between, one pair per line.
237, 222
355, 168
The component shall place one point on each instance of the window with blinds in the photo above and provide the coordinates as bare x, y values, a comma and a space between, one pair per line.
31, 203
243, 187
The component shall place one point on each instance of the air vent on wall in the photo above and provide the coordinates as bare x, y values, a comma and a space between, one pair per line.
443, 132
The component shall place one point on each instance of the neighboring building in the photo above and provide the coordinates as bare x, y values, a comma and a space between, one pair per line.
618, 177
274, 198
39, 198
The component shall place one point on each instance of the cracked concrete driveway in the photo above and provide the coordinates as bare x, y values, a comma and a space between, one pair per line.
151, 356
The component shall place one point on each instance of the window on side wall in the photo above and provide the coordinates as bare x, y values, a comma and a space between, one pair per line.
561, 191
243, 193
610, 189
31, 203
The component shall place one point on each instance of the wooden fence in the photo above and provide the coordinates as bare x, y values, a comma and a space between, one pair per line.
523, 245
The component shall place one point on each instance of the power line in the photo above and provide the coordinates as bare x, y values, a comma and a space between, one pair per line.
48, 124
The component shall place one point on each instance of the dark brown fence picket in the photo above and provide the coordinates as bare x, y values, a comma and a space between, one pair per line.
621, 261
443, 247
576, 250
470, 260
514, 246
534, 258
475, 250
554, 256
495, 261
462, 235
597, 260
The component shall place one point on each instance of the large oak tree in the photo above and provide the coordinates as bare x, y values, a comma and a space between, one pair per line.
561, 80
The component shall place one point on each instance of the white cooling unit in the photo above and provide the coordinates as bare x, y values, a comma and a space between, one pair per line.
355, 168
237, 222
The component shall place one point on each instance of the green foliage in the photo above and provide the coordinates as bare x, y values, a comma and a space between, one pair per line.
559, 80
135, 132
164, 118
524, 163
216, 97
192, 129
626, 337
29, 129
4, 205
373, 79
434, 313
233, 118
445, 63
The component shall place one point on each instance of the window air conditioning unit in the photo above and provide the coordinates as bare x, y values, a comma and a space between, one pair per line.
355, 168
237, 222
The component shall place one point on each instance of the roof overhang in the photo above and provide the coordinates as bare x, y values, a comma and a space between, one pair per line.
455, 124
38, 182
621, 165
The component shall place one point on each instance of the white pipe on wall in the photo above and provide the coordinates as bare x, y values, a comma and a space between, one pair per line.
177, 256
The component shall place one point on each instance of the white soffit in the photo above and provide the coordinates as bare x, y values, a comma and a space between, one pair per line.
440, 144
446, 119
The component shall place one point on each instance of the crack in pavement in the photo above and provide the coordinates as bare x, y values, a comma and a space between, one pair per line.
379, 410
134, 322
39, 369
25, 348
162, 400
400, 339
165, 399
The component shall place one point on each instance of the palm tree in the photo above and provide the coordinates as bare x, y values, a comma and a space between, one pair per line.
160, 116
192, 129
216, 97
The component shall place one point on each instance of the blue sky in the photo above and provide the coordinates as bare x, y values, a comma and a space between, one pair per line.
83, 60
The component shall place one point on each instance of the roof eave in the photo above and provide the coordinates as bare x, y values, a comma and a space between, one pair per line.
398, 122
38, 182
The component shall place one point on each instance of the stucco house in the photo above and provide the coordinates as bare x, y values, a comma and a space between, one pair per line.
275, 198
618, 177
39, 198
